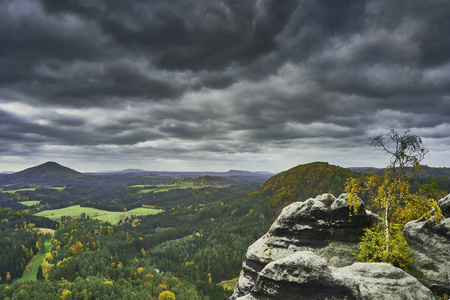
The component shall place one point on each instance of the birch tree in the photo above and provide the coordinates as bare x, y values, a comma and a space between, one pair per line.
392, 198
407, 151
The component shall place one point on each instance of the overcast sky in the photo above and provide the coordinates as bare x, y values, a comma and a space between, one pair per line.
215, 85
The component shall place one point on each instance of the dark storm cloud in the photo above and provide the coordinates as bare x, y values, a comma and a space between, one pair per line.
64, 39
57, 129
198, 34
199, 78
114, 80
9, 125
18, 137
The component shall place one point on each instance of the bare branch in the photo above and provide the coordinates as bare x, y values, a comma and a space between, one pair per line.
406, 150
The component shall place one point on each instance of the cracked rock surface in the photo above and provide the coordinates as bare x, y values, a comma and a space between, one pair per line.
307, 254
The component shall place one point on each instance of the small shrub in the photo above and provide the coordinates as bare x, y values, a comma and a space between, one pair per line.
372, 247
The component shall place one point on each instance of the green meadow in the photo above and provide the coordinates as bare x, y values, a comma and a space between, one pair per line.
108, 216
31, 269
32, 189
29, 203
166, 187
20, 190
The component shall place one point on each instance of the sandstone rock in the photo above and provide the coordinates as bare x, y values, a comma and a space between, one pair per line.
304, 275
316, 222
306, 254
430, 250
380, 281
322, 224
444, 203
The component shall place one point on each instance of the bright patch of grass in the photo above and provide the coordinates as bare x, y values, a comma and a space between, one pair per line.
29, 203
58, 188
108, 216
166, 187
32, 267
20, 190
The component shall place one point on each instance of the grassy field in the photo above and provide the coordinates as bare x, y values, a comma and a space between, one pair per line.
33, 189
32, 267
29, 203
20, 190
108, 216
166, 187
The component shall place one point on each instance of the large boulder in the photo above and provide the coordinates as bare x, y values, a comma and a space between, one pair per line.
304, 275
307, 254
430, 250
444, 204
325, 225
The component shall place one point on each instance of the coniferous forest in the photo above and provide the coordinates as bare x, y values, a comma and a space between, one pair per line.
198, 238
196, 241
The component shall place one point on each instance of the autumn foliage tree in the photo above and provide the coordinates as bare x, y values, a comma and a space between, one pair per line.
166, 295
391, 196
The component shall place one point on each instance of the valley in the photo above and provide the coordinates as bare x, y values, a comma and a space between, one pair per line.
195, 229
137, 235
224, 150
112, 217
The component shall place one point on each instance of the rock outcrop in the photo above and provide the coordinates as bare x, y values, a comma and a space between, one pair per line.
307, 254
322, 225
430, 250
304, 275
444, 204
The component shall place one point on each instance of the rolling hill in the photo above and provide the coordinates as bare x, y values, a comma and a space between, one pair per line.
303, 182
44, 173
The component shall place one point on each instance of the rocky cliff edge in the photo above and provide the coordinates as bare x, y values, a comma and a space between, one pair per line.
308, 254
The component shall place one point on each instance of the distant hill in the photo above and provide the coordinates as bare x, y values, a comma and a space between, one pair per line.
362, 169
303, 182
45, 173
261, 176
6, 172
424, 171
126, 171
211, 180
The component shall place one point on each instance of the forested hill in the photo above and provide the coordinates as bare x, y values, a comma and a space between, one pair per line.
48, 171
304, 181
423, 171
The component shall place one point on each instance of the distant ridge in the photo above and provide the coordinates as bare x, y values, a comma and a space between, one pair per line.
361, 169
423, 171
126, 171
6, 172
259, 176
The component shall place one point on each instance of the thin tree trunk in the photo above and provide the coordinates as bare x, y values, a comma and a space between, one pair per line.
386, 225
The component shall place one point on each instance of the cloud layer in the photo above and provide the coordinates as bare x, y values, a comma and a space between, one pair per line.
201, 84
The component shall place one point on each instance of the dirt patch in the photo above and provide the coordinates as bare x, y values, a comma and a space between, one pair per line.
229, 284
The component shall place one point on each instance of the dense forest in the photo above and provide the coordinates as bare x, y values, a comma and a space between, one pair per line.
199, 240
184, 252
303, 182
204, 246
